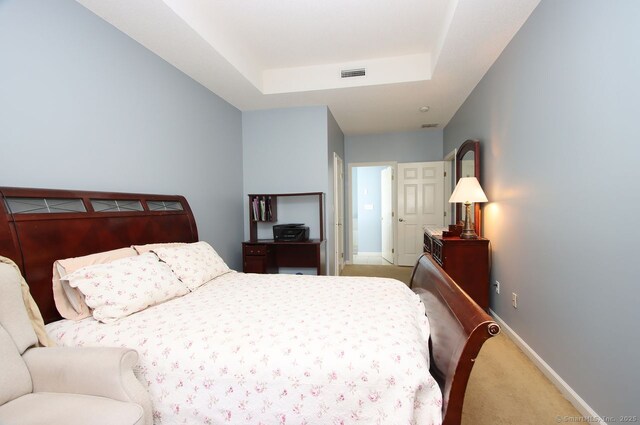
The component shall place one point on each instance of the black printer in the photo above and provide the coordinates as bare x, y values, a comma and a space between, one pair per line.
293, 232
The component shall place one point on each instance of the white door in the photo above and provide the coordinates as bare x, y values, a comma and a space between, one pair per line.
420, 203
386, 213
338, 202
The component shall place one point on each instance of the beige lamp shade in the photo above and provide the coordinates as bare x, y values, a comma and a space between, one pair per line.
468, 190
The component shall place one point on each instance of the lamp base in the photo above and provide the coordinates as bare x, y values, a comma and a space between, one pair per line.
468, 232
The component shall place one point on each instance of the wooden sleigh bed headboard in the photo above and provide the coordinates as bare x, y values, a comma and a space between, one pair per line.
39, 226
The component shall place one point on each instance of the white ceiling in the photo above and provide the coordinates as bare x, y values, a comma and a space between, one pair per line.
261, 54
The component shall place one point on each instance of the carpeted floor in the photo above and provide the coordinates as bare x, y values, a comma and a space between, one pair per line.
505, 386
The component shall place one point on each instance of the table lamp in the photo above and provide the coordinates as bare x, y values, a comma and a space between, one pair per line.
468, 190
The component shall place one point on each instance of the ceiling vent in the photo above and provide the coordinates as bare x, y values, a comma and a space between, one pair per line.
429, 125
348, 73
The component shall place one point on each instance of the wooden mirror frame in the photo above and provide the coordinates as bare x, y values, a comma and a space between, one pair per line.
470, 145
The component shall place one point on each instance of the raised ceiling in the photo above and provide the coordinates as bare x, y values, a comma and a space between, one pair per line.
261, 54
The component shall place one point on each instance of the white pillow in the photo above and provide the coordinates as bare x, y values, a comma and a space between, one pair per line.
125, 286
70, 301
194, 263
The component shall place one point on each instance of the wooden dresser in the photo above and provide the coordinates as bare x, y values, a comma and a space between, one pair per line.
465, 260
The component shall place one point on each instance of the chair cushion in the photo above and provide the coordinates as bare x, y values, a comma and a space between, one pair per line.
15, 379
13, 315
69, 409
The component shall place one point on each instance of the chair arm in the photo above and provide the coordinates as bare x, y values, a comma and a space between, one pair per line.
97, 371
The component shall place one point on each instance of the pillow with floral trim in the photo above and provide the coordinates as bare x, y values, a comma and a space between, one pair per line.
70, 301
194, 263
125, 286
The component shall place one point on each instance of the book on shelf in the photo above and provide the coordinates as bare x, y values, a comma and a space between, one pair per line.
269, 213
254, 208
261, 209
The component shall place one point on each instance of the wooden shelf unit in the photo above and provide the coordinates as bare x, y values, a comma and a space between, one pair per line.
266, 255
253, 222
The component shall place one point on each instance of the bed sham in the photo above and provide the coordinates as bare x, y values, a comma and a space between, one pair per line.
125, 286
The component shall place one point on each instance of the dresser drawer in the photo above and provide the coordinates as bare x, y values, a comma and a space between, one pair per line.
255, 250
427, 243
436, 250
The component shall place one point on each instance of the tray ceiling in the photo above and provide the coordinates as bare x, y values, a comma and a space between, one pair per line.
261, 54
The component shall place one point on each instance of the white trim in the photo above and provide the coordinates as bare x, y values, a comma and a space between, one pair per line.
568, 392
448, 189
451, 156
338, 222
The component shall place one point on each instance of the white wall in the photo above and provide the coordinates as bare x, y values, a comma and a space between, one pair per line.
557, 116
83, 106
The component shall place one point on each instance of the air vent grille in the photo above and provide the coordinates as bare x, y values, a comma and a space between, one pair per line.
429, 125
349, 73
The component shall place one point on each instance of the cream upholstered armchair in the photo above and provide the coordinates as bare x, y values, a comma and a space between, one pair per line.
61, 385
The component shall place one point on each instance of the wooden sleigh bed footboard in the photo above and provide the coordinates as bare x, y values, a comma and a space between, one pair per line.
39, 226
459, 328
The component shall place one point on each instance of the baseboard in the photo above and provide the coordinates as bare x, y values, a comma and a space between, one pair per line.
568, 392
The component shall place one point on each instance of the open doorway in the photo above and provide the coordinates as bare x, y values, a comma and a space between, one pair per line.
372, 205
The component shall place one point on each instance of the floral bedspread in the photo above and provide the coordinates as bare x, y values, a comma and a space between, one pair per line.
279, 349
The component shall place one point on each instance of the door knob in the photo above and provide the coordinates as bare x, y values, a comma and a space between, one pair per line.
401, 220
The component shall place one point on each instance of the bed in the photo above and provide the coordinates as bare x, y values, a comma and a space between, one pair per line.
355, 350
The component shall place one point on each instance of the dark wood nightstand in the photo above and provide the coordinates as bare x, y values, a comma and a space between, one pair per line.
258, 258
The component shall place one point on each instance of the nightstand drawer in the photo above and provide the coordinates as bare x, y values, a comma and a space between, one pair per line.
255, 250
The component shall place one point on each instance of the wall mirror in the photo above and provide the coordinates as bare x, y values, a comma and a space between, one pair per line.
468, 165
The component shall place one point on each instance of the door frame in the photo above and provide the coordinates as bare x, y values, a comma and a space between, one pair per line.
387, 181
338, 224
349, 209
450, 184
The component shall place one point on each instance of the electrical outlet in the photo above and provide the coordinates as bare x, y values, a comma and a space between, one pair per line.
497, 287
514, 300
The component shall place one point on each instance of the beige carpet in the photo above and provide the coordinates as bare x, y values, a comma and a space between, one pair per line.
505, 387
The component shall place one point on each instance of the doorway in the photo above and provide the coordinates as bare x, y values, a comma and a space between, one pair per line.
371, 213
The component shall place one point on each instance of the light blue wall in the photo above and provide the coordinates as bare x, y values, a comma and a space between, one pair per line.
281, 150
369, 220
83, 106
414, 146
557, 115
286, 151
